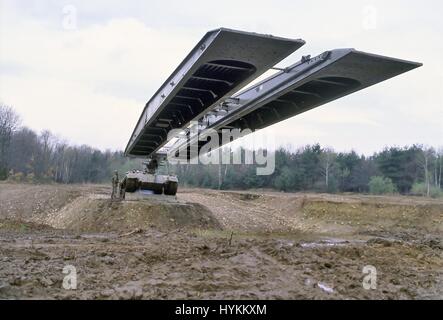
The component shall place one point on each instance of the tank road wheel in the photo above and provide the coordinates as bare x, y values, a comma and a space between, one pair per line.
158, 190
171, 188
130, 185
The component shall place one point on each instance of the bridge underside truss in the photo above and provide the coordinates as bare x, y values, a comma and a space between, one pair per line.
206, 94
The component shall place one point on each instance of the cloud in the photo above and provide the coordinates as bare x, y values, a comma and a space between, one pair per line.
90, 84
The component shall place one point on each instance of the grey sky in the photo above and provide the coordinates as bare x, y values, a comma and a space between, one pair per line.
90, 84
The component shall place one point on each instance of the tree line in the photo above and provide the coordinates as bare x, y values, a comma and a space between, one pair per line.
407, 170
26, 156
42, 157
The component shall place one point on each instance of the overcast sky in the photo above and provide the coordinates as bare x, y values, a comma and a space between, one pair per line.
85, 69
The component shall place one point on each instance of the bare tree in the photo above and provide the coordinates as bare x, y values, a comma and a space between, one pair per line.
439, 165
9, 122
425, 159
222, 176
327, 158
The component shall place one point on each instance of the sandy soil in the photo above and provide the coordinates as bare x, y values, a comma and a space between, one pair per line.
206, 244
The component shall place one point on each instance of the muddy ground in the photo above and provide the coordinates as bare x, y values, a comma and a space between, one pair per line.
206, 244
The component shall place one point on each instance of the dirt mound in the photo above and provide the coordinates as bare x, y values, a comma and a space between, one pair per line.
367, 216
248, 212
318, 213
96, 213
24, 201
88, 208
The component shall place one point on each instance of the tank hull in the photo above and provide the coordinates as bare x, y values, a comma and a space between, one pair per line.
137, 180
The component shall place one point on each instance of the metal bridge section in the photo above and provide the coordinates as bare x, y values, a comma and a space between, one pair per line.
299, 88
220, 64
226, 60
